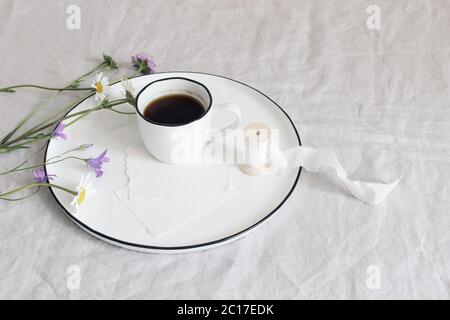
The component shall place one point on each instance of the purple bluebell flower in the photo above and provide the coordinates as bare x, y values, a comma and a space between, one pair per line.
144, 63
96, 163
59, 132
40, 176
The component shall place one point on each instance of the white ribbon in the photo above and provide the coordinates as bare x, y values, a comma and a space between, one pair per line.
263, 156
313, 160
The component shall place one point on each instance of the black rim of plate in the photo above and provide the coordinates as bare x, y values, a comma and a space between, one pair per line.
194, 246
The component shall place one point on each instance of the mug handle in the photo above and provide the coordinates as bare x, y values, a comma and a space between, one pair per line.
228, 107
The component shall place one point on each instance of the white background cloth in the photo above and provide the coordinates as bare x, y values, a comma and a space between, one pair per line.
378, 98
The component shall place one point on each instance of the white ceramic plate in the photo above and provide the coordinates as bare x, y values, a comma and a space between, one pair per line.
108, 219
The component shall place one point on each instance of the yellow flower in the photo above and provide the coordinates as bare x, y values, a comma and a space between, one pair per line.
101, 86
84, 190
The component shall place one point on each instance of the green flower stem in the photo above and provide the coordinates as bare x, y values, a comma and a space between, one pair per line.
68, 108
24, 144
102, 65
11, 89
121, 112
82, 147
27, 134
24, 197
7, 145
106, 107
116, 103
72, 84
4, 196
41, 164
51, 160
83, 113
55, 116
25, 119
71, 87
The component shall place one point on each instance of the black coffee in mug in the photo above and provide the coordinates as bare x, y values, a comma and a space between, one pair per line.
174, 109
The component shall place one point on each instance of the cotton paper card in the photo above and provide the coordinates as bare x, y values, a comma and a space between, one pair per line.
165, 214
173, 180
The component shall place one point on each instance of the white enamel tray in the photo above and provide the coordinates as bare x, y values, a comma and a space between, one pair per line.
108, 219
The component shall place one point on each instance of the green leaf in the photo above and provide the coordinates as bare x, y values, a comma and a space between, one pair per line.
110, 63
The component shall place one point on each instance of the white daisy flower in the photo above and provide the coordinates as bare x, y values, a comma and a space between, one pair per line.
101, 86
85, 191
127, 86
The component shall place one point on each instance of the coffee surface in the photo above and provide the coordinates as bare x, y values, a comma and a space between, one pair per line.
174, 109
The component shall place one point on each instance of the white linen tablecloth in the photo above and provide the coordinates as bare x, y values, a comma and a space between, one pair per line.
378, 98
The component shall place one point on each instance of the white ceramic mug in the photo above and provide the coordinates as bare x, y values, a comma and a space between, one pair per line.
179, 143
